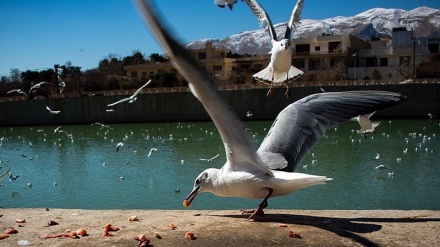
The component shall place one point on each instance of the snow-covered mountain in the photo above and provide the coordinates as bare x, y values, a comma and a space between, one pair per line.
377, 22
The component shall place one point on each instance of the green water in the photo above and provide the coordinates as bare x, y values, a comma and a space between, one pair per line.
84, 170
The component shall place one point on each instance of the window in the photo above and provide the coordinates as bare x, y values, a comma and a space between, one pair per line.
317, 48
315, 63
133, 74
383, 62
217, 68
299, 63
370, 62
334, 47
202, 55
303, 49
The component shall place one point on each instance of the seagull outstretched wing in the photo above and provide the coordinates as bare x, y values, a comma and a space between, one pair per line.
263, 17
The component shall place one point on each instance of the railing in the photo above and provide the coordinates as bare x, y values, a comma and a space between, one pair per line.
236, 87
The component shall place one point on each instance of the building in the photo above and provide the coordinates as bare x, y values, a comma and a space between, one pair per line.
322, 58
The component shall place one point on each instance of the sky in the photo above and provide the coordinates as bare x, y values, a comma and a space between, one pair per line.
36, 34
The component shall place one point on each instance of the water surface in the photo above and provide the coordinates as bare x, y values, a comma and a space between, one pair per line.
80, 168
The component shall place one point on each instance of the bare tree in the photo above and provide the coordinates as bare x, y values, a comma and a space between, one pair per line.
403, 66
15, 75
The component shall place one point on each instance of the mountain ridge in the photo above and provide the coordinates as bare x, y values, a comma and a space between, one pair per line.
375, 22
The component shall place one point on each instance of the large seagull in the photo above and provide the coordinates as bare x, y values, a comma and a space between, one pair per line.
280, 69
268, 171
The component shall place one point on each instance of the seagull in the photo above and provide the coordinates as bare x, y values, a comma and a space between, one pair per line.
380, 167
223, 3
249, 114
52, 111
18, 91
38, 85
268, 171
132, 98
8, 172
431, 117
120, 144
61, 84
366, 125
13, 178
210, 159
102, 125
377, 156
151, 151
280, 68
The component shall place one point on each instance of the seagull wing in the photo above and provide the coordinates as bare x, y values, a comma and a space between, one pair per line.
140, 89
120, 101
262, 17
301, 124
294, 19
239, 149
4, 174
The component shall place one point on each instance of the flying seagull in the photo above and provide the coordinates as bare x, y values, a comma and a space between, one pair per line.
39, 85
280, 69
4, 175
61, 84
18, 91
366, 125
120, 144
52, 111
223, 3
268, 171
132, 98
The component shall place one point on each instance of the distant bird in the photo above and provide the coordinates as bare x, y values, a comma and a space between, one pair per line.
18, 91
280, 69
366, 125
380, 167
61, 84
151, 151
210, 159
57, 129
110, 110
8, 172
377, 156
249, 114
391, 174
223, 3
177, 189
102, 125
120, 144
431, 117
38, 85
132, 98
52, 111
13, 178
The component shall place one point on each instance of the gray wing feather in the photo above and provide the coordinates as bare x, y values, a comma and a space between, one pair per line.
300, 125
294, 19
263, 17
238, 146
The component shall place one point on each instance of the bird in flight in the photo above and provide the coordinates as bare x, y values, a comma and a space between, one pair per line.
223, 3
133, 97
280, 69
52, 111
367, 126
268, 171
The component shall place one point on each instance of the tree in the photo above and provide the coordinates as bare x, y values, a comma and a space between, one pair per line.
403, 66
15, 75
376, 75
156, 58
136, 58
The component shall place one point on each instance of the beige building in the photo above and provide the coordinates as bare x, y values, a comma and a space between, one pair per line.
322, 58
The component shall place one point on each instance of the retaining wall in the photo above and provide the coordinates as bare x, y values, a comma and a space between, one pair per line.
183, 106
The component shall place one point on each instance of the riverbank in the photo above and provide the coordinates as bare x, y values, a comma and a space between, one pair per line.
225, 227
183, 106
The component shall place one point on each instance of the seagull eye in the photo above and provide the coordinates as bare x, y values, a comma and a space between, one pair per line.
198, 181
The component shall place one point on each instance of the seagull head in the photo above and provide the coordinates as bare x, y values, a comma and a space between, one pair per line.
281, 45
203, 183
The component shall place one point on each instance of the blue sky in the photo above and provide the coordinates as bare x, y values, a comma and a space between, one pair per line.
36, 34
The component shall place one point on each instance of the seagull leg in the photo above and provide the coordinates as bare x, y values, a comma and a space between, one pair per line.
287, 93
270, 93
259, 210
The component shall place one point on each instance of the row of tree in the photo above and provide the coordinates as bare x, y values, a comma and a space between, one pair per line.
109, 75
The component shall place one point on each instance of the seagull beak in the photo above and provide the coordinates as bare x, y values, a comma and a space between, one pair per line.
193, 194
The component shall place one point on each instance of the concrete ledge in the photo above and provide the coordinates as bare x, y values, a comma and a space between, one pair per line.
228, 227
